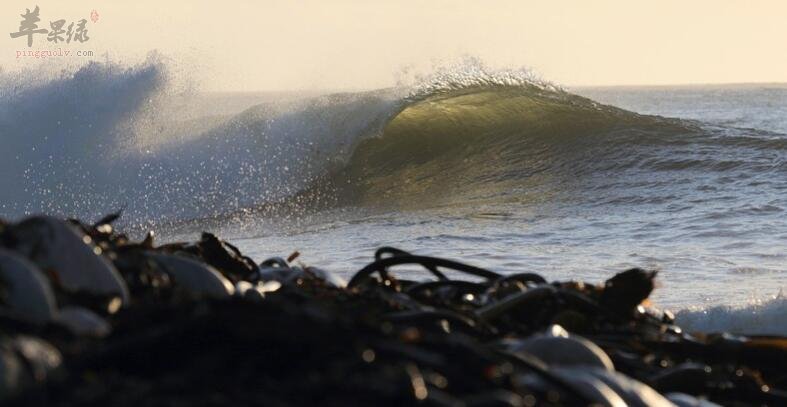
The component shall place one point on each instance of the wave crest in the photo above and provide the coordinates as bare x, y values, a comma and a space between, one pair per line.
463, 133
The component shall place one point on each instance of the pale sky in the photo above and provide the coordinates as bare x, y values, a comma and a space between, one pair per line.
286, 45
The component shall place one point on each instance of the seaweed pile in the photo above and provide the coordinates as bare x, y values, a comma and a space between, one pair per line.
89, 317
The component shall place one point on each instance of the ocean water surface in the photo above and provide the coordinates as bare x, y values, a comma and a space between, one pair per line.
491, 167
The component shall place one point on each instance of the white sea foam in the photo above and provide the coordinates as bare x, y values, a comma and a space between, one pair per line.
762, 317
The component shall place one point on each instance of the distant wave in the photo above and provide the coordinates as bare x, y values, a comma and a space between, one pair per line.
768, 317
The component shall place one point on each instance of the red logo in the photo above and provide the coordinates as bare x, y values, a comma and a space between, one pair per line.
94, 16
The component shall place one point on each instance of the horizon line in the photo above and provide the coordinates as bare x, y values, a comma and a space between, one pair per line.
573, 86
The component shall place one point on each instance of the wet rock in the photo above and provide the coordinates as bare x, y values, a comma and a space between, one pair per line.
24, 290
66, 255
83, 322
685, 400
557, 348
623, 292
26, 361
194, 277
630, 391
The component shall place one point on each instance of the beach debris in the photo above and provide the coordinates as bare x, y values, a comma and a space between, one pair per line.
89, 316
223, 256
278, 270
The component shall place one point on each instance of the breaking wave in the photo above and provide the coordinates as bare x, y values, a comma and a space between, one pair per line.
106, 136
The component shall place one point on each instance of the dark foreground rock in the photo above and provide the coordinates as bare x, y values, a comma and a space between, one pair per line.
88, 317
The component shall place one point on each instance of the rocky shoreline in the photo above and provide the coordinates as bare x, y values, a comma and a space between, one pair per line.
89, 317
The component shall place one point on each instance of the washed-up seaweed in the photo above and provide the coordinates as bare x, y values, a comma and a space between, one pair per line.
90, 317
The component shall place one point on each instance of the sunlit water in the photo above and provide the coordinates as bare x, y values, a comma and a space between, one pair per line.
717, 232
